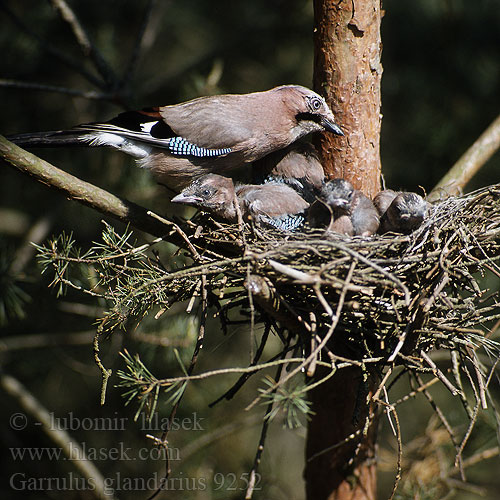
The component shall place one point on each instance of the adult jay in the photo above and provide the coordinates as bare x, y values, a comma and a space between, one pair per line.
213, 134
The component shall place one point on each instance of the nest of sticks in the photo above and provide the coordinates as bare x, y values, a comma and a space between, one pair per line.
380, 304
378, 300
376, 303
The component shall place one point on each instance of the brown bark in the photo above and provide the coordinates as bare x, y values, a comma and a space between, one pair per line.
347, 471
347, 72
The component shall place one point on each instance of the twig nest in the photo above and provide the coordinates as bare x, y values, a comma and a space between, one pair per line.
390, 296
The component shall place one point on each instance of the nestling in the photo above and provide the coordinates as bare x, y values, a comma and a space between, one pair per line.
400, 212
348, 210
274, 204
297, 165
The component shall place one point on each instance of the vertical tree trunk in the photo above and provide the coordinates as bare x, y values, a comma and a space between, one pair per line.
347, 72
340, 459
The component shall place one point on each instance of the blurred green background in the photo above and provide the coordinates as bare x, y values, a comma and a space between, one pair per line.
440, 90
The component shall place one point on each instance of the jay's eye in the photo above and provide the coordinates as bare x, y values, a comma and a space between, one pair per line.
316, 104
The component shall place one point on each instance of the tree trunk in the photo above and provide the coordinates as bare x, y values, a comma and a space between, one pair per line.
346, 471
347, 72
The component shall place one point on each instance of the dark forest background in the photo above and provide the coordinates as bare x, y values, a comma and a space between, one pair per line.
440, 90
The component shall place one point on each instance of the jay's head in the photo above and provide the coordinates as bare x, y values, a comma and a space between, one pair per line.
408, 210
310, 110
210, 192
337, 194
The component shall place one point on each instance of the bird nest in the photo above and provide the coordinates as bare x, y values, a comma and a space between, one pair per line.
381, 299
375, 303
338, 301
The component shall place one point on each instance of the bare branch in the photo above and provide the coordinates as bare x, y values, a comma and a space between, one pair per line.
46, 340
141, 41
84, 192
54, 51
71, 448
83, 39
86, 94
469, 163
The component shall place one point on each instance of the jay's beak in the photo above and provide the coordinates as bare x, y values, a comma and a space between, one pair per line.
186, 199
341, 203
331, 126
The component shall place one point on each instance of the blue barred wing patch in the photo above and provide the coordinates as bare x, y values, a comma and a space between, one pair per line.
289, 222
182, 147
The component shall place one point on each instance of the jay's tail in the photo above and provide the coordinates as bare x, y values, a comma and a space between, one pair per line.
52, 138
84, 135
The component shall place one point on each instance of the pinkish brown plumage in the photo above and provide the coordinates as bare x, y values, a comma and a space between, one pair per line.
297, 165
274, 204
213, 134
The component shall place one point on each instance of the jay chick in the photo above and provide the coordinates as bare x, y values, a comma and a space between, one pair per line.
274, 204
400, 212
181, 142
297, 165
344, 210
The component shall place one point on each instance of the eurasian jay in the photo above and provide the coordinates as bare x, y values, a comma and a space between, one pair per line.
297, 165
400, 212
181, 142
343, 209
274, 204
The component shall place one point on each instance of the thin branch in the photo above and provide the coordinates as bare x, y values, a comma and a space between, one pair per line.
71, 448
194, 358
469, 163
399, 440
444, 421
36, 234
262, 439
224, 371
220, 432
163, 341
320, 346
140, 44
83, 39
84, 192
105, 372
439, 374
229, 394
54, 51
44, 87
36, 341
483, 455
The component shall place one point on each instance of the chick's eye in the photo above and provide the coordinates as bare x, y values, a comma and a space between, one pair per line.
206, 192
316, 104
